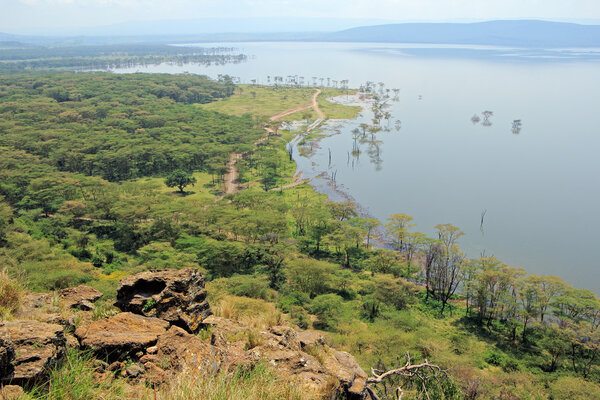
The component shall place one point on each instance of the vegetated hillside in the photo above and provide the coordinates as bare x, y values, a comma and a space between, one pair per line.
520, 33
286, 255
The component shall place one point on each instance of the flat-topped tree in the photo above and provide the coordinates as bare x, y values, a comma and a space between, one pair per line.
179, 178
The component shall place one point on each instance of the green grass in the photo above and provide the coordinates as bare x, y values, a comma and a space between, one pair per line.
75, 380
255, 382
337, 111
262, 100
267, 101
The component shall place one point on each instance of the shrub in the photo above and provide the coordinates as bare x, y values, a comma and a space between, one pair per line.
11, 294
256, 287
573, 388
494, 358
327, 308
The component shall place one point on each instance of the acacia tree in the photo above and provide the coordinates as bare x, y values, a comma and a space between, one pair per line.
179, 178
398, 228
446, 266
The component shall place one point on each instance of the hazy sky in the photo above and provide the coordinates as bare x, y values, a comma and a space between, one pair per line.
20, 16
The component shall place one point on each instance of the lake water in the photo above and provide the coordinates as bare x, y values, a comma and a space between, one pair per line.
540, 188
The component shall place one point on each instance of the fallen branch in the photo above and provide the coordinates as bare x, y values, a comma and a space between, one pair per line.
422, 372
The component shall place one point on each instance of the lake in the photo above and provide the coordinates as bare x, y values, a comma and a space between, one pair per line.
538, 187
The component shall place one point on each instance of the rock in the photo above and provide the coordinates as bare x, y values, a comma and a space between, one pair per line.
180, 349
7, 355
288, 351
149, 358
120, 335
345, 368
116, 366
38, 346
11, 392
134, 371
287, 336
100, 366
152, 350
310, 338
155, 375
71, 341
80, 297
177, 296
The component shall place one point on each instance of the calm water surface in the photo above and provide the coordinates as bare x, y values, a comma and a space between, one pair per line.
540, 188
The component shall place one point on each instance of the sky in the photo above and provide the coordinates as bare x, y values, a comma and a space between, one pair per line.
59, 16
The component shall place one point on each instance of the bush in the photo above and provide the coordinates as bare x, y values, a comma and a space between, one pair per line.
11, 294
494, 358
327, 308
573, 388
256, 287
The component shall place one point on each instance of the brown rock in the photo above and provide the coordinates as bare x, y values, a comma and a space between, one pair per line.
38, 347
71, 341
116, 366
154, 374
80, 297
121, 334
134, 371
287, 350
177, 296
287, 337
345, 368
310, 338
11, 392
149, 358
180, 348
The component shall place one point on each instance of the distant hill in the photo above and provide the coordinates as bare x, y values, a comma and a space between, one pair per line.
521, 33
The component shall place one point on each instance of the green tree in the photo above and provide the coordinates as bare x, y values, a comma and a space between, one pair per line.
398, 228
311, 276
179, 178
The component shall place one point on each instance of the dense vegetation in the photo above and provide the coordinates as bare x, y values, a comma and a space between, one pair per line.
82, 178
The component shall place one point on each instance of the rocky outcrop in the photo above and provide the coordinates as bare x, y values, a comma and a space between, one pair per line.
120, 335
80, 297
303, 356
176, 296
38, 346
157, 332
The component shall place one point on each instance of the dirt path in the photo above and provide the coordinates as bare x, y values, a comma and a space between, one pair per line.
232, 173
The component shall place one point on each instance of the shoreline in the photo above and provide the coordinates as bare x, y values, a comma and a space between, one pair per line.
322, 182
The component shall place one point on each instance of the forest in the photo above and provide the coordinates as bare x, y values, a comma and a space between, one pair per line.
105, 175
19, 57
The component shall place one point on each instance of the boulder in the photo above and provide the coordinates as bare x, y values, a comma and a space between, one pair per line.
346, 370
310, 338
120, 335
176, 296
38, 346
179, 349
80, 297
11, 392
